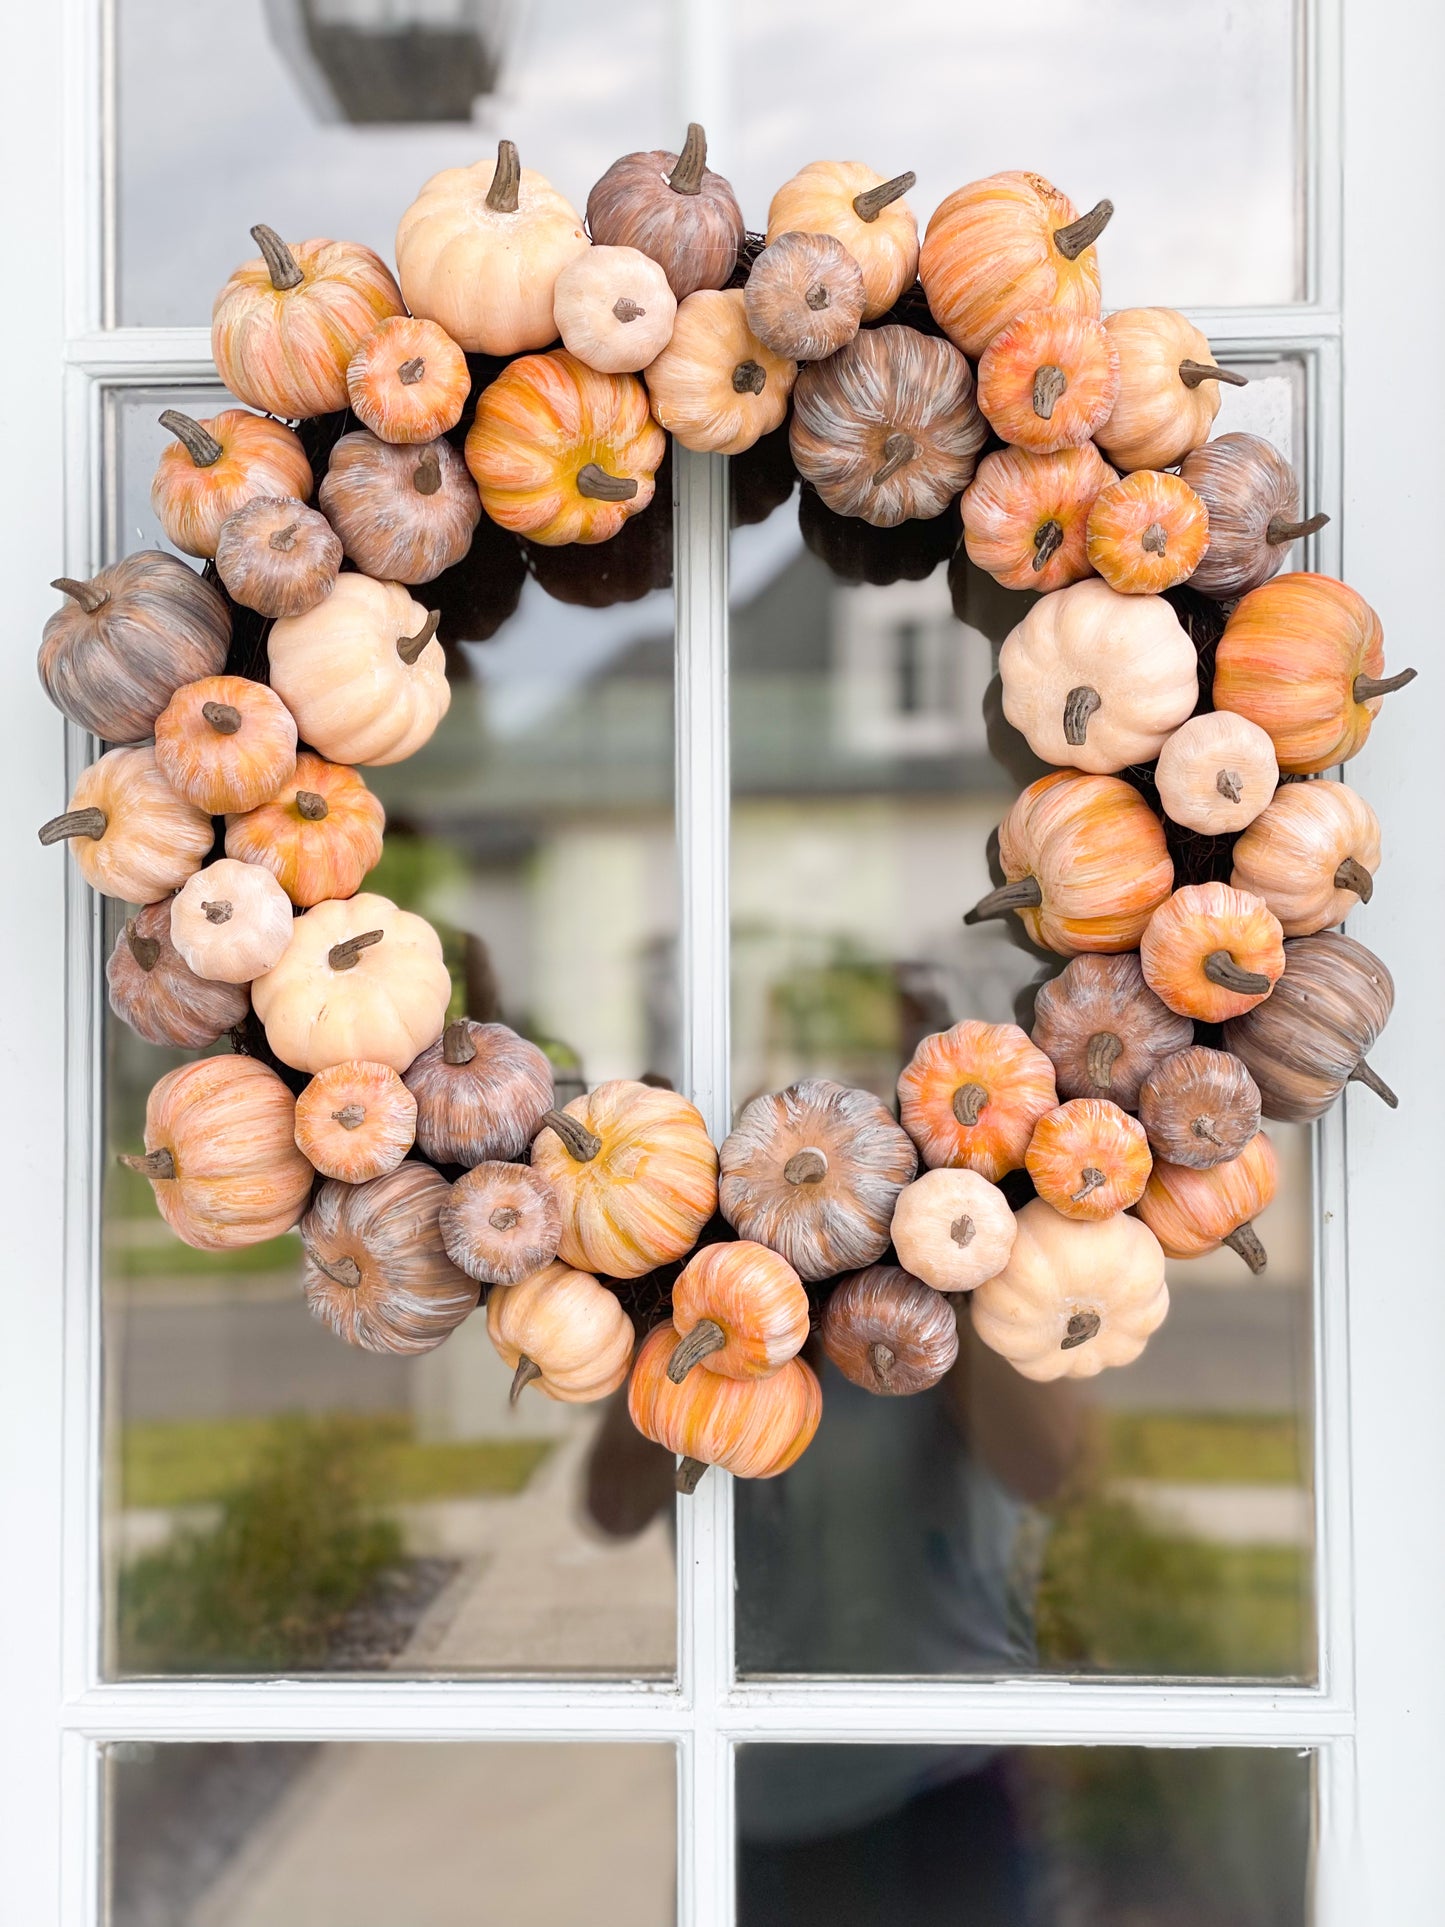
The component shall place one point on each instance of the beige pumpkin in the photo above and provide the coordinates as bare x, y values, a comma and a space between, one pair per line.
362, 672
953, 1229
1311, 855
563, 1332
867, 213
614, 309
1216, 773
131, 835
1098, 681
231, 922
1168, 389
359, 979
1074, 1297
715, 385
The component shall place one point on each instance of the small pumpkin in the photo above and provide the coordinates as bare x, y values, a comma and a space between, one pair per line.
614, 309
635, 1174
739, 1309
318, 836
404, 512
1104, 1030
563, 1332
1025, 516
715, 386
481, 1093
952, 1229
1005, 244
1096, 680
1075, 1297
754, 1428
1311, 855
1312, 1036
1147, 532
286, 324
1212, 952
501, 1223
1252, 498
277, 556
131, 836
1216, 773
971, 1096
1048, 379
1200, 1107
221, 1153
889, 427
814, 1172
125, 641
226, 743
1168, 389
408, 381
376, 1270
1303, 656
867, 213
355, 1121
154, 990
673, 208
1085, 861
362, 672
1191, 1211
888, 1332
479, 251
215, 467
359, 979
560, 453
805, 296
1089, 1158
231, 921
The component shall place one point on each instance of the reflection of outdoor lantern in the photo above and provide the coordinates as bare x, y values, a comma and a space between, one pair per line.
394, 60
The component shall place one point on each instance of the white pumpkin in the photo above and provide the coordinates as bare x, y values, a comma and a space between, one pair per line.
614, 309
231, 922
953, 1229
1216, 773
1095, 680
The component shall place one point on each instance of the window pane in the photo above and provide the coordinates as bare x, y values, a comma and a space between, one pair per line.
378, 1836
868, 1836
1154, 1520
276, 1500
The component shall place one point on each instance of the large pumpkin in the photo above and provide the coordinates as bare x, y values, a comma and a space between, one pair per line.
376, 1270
754, 1428
131, 836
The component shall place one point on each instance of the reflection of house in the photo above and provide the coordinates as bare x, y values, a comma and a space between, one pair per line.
396, 61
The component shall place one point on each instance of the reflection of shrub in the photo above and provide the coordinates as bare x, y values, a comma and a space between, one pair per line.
833, 1010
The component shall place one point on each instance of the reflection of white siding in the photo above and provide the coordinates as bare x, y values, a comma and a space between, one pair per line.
908, 678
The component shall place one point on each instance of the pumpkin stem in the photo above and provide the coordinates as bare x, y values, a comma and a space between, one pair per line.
1050, 381
706, 1336
1203, 1127
505, 190
581, 1144
898, 449
85, 593
1024, 894
155, 1164
1048, 540
89, 823
1191, 373
817, 297
1078, 235
871, 202
345, 956
409, 372
312, 806
1230, 784
1103, 1052
1372, 1081
749, 378
1083, 1326
223, 718
1091, 1177
504, 1218
527, 1370
1155, 539
1220, 968
1079, 706
284, 540
1367, 688
426, 477
969, 1101
218, 912
627, 310
1245, 1241
350, 1117
280, 261
689, 1472
1354, 876
599, 486
686, 177
882, 1359
963, 1231
1280, 533
808, 1166
341, 1271
457, 1045
202, 447
410, 647
145, 950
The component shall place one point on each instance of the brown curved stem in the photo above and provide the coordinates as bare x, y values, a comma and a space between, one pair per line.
89, 823
1372, 1081
224, 718
145, 950
346, 955
882, 1358
313, 806
1050, 382
1090, 1178
1245, 1240
199, 443
580, 1143
1048, 540
505, 1218
1078, 235
598, 486
408, 373
85, 593
457, 1045
688, 1475
963, 1231
504, 193
1024, 894
350, 1117
969, 1102
1230, 784
284, 540
1220, 968
1280, 533
1154, 540
155, 1164
426, 477
808, 1166
749, 378
871, 202
1191, 373
1103, 1052
686, 177
410, 647
526, 1371
280, 261
1354, 876
625, 310
1079, 705
1083, 1326
1367, 688
706, 1337
898, 449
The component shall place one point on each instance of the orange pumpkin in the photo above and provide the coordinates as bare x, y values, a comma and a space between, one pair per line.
1191, 1212
226, 743
1212, 952
1086, 863
739, 1309
355, 1121
1303, 656
560, 453
754, 1428
216, 467
1025, 516
562, 1331
971, 1097
862, 210
1168, 388
318, 836
1089, 1159
408, 381
1048, 379
1146, 532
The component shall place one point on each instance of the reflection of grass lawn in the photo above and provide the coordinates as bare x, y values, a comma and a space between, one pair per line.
167, 1257
1206, 1448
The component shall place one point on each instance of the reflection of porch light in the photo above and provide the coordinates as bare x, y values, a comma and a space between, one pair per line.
394, 61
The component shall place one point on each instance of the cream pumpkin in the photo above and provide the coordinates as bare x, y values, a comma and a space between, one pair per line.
1311, 856
562, 1331
1216, 773
231, 922
715, 386
614, 309
953, 1229
131, 835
